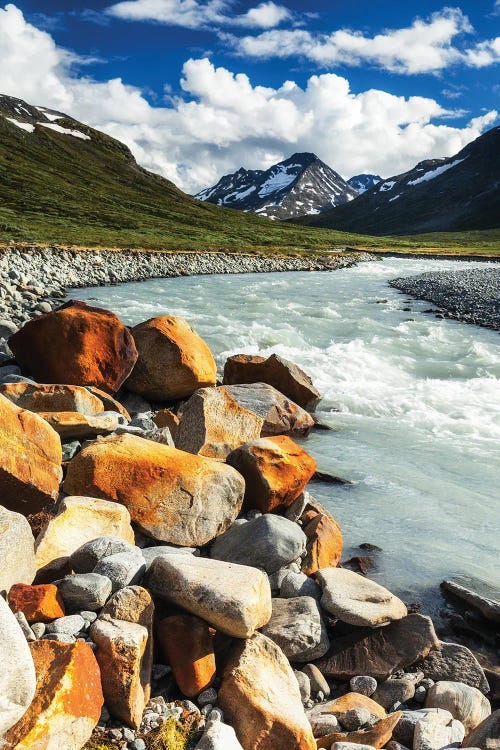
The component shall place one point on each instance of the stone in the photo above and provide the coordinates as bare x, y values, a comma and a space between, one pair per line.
167, 418
283, 375
235, 599
70, 625
79, 520
376, 736
382, 651
405, 728
41, 603
151, 553
350, 746
304, 685
121, 647
356, 600
68, 700
84, 591
187, 645
486, 735
280, 415
318, 682
69, 450
109, 403
30, 460
465, 703
298, 584
275, 470
218, 736
260, 697
297, 508
123, 568
207, 696
394, 690
17, 550
70, 425
173, 360
213, 424
17, 675
456, 663
85, 558
172, 496
435, 731
363, 684
324, 544
298, 628
324, 724
98, 349
355, 718
52, 398
340, 706
267, 542
482, 595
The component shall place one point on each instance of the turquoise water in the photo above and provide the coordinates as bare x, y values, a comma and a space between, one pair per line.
414, 400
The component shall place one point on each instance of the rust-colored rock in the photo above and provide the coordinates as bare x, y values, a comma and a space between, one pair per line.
187, 645
76, 344
324, 544
260, 697
281, 415
376, 736
52, 398
68, 700
167, 418
30, 460
283, 375
347, 702
173, 496
173, 360
41, 603
110, 403
275, 470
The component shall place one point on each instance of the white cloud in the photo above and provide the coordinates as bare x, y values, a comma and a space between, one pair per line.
193, 14
424, 47
223, 121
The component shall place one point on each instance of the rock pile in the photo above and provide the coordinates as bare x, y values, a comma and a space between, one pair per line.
184, 589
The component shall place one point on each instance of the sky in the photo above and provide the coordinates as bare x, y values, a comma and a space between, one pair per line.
200, 88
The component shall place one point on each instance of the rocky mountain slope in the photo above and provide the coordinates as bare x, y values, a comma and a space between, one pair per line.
363, 182
438, 195
300, 185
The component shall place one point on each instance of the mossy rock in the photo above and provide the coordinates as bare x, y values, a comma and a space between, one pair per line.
100, 745
172, 736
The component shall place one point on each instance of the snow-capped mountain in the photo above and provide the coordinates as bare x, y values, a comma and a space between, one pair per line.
461, 192
300, 185
364, 182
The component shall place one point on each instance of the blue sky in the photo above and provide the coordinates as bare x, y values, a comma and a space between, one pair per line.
196, 87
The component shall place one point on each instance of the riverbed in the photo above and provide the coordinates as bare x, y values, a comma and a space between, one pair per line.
413, 400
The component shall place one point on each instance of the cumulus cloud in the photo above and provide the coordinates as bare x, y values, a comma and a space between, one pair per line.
424, 47
194, 14
224, 121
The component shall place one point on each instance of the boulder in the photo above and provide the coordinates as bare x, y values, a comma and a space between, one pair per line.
283, 375
436, 731
109, 403
52, 398
151, 553
187, 646
394, 691
123, 568
70, 425
350, 701
405, 729
324, 544
79, 520
486, 735
76, 344
17, 675
316, 680
172, 496
482, 595
213, 424
86, 557
30, 460
235, 599
275, 470
465, 703
173, 360
267, 542
41, 603
218, 736
376, 736
17, 551
456, 663
380, 652
68, 700
297, 627
84, 591
298, 584
166, 418
281, 416
357, 600
121, 647
260, 697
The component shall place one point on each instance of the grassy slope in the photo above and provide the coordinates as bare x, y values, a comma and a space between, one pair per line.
58, 189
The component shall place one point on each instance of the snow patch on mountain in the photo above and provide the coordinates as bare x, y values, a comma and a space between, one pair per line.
435, 172
65, 131
23, 125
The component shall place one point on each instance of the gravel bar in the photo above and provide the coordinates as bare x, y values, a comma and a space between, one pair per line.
470, 295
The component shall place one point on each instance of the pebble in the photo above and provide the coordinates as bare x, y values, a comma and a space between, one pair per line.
355, 719
363, 684
207, 696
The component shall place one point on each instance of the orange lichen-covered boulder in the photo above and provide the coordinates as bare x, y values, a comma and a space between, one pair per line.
68, 699
76, 344
171, 495
187, 645
173, 360
30, 460
41, 603
283, 375
324, 544
260, 697
275, 470
52, 398
347, 702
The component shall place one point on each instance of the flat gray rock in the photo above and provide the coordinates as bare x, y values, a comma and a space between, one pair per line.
151, 553
86, 557
481, 595
434, 732
84, 591
297, 627
456, 663
122, 569
298, 584
70, 625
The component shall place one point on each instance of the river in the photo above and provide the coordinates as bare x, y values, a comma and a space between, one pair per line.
414, 401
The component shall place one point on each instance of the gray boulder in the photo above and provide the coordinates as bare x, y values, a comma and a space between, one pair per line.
70, 625
84, 591
394, 690
122, 569
483, 596
86, 557
455, 663
298, 628
17, 675
298, 584
465, 703
280, 415
151, 553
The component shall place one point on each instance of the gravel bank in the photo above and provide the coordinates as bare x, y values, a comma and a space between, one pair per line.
471, 295
34, 280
